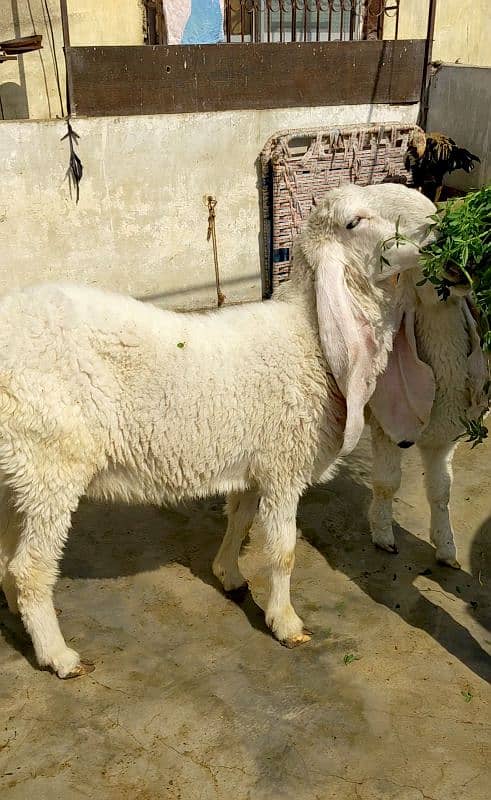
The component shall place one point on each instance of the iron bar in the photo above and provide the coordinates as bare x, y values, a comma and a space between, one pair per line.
425, 82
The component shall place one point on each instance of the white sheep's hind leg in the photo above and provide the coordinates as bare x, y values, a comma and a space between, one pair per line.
241, 509
35, 568
438, 480
277, 519
9, 536
386, 479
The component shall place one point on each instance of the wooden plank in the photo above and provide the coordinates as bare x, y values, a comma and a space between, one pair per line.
25, 44
107, 81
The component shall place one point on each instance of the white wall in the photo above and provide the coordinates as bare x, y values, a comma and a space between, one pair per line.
141, 223
462, 28
459, 106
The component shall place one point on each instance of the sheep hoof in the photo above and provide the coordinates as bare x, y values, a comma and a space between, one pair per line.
230, 578
237, 595
295, 641
389, 548
83, 668
449, 562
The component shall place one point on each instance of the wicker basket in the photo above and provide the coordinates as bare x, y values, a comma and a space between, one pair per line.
298, 166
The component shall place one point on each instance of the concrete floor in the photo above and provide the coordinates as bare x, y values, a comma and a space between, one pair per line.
192, 699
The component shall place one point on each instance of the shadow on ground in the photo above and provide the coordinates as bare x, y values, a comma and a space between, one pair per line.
109, 542
391, 579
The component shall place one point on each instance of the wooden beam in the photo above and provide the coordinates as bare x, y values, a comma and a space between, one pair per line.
64, 23
24, 44
108, 81
66, 46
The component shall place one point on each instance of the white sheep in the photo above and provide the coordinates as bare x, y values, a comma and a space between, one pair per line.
436, 375
104, 396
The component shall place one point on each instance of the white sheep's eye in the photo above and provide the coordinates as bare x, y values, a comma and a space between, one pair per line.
354, 222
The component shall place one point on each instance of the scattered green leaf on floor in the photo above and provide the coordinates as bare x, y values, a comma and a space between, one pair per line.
350, 657
340, 607
467, 696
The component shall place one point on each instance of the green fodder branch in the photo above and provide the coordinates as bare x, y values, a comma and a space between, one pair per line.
461, 252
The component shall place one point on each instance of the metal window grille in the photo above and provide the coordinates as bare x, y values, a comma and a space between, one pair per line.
291, 20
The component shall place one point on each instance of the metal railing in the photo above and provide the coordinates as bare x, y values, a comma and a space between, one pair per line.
293, 20
305, 20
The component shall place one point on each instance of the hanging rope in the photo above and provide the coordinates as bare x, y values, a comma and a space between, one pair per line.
213, 236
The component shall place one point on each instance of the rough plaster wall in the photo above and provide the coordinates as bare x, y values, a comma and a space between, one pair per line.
141, 223
413, 20
463, 32
460, 99
28, 86
105, 22
462, 28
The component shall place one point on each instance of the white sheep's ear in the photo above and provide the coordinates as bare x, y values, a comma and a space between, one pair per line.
348, 341
405, 392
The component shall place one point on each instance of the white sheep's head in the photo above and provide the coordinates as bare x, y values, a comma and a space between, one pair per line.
346, 220
341, 243
412, 212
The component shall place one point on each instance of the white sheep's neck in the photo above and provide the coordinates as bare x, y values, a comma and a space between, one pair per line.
299, 289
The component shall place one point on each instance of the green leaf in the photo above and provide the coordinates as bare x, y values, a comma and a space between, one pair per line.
350, 657
475, 430
340, 607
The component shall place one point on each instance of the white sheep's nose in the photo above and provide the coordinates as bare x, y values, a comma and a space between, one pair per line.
397, 259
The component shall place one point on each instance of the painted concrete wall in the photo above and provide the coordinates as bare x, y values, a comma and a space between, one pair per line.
460, 99
28, 87
141, 223
462, 28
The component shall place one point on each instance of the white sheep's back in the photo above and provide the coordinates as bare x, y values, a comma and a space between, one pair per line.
123, 380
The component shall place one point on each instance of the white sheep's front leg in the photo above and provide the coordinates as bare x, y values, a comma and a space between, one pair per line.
438, 480
386, 479
278, 521
9, 537
241, 509
35, 567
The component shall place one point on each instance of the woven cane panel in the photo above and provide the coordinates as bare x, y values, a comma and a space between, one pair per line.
298, 168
